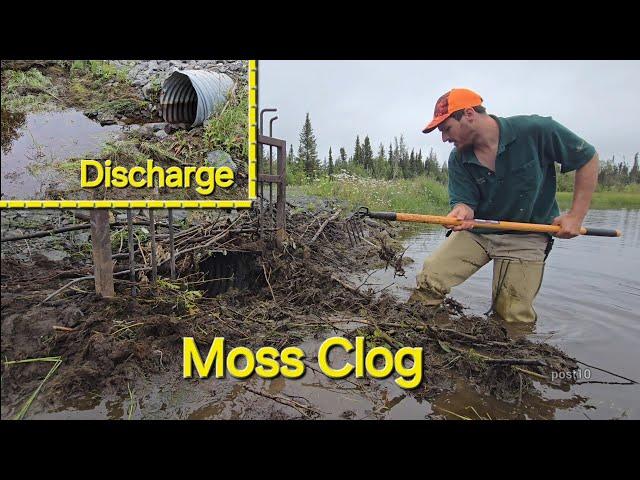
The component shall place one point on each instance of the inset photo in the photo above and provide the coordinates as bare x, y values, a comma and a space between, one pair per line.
125, 130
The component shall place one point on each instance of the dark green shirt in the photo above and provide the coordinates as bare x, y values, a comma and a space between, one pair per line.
523, 187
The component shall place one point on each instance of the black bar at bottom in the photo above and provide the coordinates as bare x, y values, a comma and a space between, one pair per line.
601, 232
383, 215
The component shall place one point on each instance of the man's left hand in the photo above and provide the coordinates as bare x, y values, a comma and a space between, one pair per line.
569, 225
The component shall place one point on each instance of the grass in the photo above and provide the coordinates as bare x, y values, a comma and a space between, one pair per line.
100, 86
603, 200
122, 106
153, 94
99, 70
424, 195
136, 151
88, 85
228, 129
186, 300
123, 152
417, 195
56, 363
30, 80
27, 91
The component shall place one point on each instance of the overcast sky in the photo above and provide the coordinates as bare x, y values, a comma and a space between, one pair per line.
599, 100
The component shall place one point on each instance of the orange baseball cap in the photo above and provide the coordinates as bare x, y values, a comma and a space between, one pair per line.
452, 101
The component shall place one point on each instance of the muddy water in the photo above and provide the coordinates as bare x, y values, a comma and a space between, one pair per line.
35, 144
588, 305
168, 396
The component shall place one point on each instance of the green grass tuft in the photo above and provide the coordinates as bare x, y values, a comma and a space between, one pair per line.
417, 195
227, 129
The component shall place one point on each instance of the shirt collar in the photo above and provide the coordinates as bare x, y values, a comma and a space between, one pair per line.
507, 136
507, 133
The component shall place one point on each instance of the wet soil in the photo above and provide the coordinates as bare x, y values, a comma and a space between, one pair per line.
123, 347
108, 100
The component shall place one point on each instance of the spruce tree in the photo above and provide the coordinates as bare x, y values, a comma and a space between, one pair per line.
392, 170
330, 168
634, 174
367, 155
403, 157
379, 168
343, 158
307, 150
291, 158
431, 165
412, 164
444, 173
357, 153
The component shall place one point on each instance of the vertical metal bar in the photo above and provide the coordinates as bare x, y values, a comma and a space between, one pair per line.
132, 261
101, 252
271, 170
260, 167
270, 187
171, 246
262, 118
359, 223
261, 198
154, 261
348, 229
282, 199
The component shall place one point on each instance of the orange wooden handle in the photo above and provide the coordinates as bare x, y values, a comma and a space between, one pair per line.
500, 225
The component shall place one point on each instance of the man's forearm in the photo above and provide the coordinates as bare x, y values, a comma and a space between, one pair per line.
584, 186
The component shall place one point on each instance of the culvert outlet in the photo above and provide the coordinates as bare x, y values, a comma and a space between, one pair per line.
190, 96
240, 270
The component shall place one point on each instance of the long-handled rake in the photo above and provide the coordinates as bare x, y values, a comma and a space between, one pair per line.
353, 224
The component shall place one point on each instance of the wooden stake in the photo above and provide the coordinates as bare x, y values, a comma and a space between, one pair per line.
101, 250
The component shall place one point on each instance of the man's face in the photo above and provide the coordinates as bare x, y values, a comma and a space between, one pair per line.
457, 132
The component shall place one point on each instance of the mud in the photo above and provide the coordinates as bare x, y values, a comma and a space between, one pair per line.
278, 297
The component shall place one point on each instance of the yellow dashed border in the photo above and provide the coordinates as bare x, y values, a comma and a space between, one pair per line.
253, 146
253, 129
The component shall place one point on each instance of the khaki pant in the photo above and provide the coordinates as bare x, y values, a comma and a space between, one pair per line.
517, 270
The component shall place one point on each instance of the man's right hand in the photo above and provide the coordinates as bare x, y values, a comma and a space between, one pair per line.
462, 212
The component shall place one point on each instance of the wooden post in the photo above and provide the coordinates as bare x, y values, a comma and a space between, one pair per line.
132, 258
101, 249
154, 261
172, 250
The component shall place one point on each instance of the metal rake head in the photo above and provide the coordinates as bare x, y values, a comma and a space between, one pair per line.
353, 225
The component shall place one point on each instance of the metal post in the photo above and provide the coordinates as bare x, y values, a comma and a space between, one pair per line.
280, 180
261, 167
281, 201
271, 170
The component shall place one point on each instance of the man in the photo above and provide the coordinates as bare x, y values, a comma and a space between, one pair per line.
503, 169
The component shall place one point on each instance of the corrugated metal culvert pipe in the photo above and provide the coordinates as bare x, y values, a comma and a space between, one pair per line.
190, 96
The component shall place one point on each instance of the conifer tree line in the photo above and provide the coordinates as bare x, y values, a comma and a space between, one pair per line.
619, 174
613, 175
395, 161
392, 163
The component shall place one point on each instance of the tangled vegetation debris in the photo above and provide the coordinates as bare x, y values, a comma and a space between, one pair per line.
270, 296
